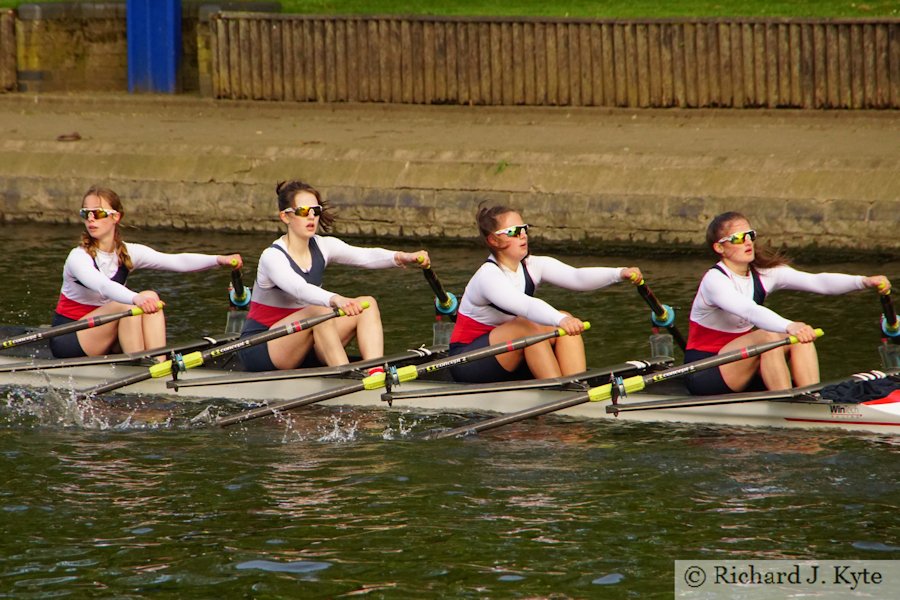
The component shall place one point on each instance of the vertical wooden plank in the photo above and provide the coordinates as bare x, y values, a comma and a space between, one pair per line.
610, 95
572, 60
783, 49
552, 65
760, 64
340, 59
796, 61
474, 63
882, 66
298, 58
530, 53
631, 61
666, 61
654, 65
771, 62
845, 65
507, 60
832, 57
679, 76
256, 58
726, 70
748, 53
584, 60
642, 58
620, 63
462, 36
869, 50
691, 83
484, 63
807, 67
265, 59
822, 66
563, 74
702, 64
713, 65
894, 61
430, 62
518, 62
452, 54
395, 61
496, 63
417, 64
287, 61
857, 76
352, 73
275, 27
405, 52
597, 83
377, 60
738, 94
245, 54
228, 53
329, 62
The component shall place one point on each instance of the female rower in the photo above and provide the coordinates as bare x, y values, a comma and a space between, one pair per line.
289, 287
728, 312
94, 283
499, 305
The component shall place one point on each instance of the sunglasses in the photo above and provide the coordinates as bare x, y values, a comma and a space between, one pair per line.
303, 211
513, 231
99, 213
738, 238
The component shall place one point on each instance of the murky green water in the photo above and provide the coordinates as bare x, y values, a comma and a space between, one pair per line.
139, 502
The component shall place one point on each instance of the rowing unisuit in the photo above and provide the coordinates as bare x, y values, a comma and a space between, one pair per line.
89, 283
719, 315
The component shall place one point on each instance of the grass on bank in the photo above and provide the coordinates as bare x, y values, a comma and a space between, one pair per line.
582, 8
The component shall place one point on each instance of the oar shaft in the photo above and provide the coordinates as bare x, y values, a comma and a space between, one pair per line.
439, 292
632, 384
87, 323
661, 312
265, 411
891, 322
239, 295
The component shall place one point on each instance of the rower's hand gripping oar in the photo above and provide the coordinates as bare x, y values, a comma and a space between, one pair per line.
180, 363
87, 323
890, 324
661, 315
394, 376
619, 389
238, 294
445, 303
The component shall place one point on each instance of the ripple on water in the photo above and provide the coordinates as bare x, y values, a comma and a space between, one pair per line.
299, 566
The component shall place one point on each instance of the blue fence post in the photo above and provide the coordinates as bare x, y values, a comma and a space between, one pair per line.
154, 45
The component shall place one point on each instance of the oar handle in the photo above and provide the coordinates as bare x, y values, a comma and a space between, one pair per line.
661, 315
445, 303
87, 323
238, 295
890, 325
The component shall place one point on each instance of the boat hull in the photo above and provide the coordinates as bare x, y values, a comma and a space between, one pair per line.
775, 412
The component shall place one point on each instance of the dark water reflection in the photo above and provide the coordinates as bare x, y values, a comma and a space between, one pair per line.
339, 503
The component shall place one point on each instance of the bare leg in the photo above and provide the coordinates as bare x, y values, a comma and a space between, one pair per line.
737, 375
569, 350
144, 331
804, 364
98, 341
366, 328
288, 352
540, 358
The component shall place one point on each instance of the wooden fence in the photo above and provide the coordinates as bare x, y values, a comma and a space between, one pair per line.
562, 62
7, 51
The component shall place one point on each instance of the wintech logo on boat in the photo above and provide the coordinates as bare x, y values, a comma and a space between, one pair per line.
845, 412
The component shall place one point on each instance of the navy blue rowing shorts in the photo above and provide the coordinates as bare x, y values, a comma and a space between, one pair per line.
484, 370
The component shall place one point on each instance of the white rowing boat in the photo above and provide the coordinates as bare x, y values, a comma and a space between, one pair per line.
665, 403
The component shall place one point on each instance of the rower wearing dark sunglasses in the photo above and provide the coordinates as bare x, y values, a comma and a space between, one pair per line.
288, 287
94, 283
728, 312
499, 305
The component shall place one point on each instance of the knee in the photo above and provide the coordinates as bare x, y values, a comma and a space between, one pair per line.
150, 294
373, 304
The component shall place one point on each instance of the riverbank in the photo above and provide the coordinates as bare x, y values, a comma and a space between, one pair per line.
605, 179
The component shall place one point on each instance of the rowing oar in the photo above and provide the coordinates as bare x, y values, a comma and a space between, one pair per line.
394, 376
238, 295
445, 303
87, 323
632, 384
111, 359
180, 363
662, 315
890, 324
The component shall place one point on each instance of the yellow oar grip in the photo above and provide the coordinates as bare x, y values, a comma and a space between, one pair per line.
819, 333
587, 325
365, 304
234, 262
137, 310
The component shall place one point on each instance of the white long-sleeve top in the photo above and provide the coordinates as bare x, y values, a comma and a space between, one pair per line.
280, 290
494, 287
723, 308
86, 286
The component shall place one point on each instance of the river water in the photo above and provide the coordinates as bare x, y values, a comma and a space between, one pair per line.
347, 503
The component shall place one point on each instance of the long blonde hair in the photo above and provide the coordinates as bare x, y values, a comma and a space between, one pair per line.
90, 244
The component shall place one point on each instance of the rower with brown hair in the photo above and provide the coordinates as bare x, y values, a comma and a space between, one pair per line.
94, 282
499, 304
728, 312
